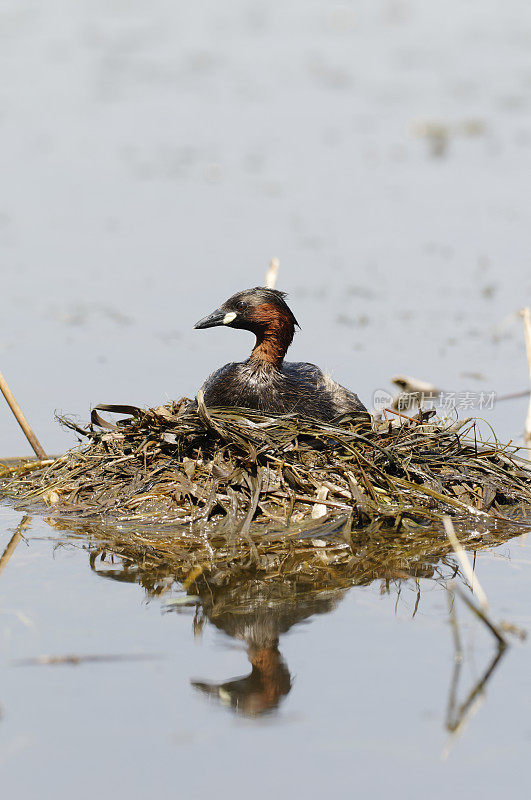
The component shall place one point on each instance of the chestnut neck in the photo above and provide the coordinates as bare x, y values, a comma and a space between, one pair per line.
274, 331
271, 674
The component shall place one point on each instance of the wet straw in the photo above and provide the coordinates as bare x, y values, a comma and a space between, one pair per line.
21, 419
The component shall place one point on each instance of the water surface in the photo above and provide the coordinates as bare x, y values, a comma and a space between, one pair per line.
357, 690
154, 158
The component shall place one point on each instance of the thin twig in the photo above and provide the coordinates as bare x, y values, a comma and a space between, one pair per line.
458, 655
457, 717
513, 395
21, 419
15, 539
465, 564
272, 273
526, 315
481, 614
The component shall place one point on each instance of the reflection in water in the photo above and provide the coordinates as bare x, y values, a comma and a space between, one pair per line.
12, 545
261, 690
459, 713
257, 608
256, 612
259, 622
13, 542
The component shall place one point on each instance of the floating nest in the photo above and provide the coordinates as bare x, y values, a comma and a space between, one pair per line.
255, 522
240, 486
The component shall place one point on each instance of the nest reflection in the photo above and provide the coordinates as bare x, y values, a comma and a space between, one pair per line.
258, 606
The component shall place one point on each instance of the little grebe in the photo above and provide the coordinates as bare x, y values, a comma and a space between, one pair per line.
265, 381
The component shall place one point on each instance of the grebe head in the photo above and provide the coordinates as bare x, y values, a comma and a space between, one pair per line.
251, 309
265, 313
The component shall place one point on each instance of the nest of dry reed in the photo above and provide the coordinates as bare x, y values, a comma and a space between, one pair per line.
236, 469
305, 504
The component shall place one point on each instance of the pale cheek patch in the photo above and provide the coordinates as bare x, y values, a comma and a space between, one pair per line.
229, 317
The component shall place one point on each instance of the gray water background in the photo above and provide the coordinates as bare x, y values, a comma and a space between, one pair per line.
154, 157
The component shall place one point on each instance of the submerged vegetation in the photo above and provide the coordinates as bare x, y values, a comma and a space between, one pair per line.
232, 488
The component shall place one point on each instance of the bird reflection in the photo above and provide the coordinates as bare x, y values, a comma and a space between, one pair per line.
260, 691
253, 611
260, 626
259, 607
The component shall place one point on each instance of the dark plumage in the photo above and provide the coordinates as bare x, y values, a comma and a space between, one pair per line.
265, 381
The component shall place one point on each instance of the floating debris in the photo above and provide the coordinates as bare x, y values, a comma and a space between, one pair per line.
438, 134
75, 660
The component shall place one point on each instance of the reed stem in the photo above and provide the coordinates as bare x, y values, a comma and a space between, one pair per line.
15, 539
526, 314
272, 273
21, 419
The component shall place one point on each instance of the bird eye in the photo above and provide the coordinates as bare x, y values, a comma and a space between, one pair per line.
241, 305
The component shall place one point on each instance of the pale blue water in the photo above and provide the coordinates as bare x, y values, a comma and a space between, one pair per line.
154, 157
366, 711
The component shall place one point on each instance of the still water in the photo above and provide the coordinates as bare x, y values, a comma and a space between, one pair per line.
355, 697
154, 157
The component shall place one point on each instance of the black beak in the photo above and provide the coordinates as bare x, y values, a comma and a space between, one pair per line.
216, 318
